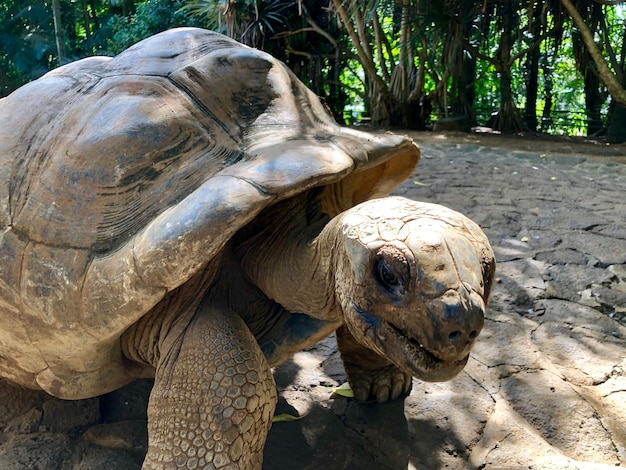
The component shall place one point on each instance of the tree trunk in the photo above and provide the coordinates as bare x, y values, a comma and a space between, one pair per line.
94, 15
400, 82
548, 87
58, 30
547, 60
593, 103
509, 120
467, 87
616, 132
532, 77
586, 67
87, 21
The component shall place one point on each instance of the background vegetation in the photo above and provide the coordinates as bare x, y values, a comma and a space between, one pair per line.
553, 66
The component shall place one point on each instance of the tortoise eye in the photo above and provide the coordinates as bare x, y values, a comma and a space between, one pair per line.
386, 276
389, 279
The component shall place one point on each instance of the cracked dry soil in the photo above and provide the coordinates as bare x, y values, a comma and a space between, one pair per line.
545, 387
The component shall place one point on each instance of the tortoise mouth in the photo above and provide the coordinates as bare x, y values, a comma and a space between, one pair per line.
404, 350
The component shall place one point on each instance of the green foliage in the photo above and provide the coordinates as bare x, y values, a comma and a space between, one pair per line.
252, 22
151, 17
210, 12
449, 56
354, 86
26, 45
568, 111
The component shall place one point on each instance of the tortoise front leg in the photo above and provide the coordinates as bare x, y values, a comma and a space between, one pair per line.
213, 398
371, 376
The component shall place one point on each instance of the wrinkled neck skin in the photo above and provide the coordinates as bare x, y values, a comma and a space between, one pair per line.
289, 253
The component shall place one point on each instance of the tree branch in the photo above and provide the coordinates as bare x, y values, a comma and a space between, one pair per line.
366, 61
479, 55
378, 36
610, 80
535, 44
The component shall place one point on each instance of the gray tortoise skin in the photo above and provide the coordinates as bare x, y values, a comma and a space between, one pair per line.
189, 211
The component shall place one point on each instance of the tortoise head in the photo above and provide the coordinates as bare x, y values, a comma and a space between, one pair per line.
414, 284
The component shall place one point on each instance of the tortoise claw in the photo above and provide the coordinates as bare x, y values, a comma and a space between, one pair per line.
381, 385
371, 376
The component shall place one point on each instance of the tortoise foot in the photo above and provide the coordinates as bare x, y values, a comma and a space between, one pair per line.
384, 384
371, 376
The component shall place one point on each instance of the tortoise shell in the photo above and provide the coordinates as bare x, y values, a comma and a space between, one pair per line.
120, 178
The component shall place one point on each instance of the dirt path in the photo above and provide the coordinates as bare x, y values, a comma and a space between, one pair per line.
545, 387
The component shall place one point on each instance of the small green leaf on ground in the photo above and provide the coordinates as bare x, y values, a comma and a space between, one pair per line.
525, 239
343, 390
419, 183
285, 417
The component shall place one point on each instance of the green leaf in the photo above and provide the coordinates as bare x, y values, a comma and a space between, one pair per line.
285, 417
419, 183
343, 390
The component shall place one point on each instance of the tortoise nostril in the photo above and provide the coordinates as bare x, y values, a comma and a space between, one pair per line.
458, 335
455, 335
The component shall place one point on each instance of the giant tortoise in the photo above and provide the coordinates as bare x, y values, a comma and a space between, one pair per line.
189, 211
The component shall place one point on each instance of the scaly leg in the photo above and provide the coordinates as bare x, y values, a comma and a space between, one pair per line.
213, 398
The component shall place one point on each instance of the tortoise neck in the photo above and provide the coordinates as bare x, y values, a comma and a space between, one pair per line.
290, 257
